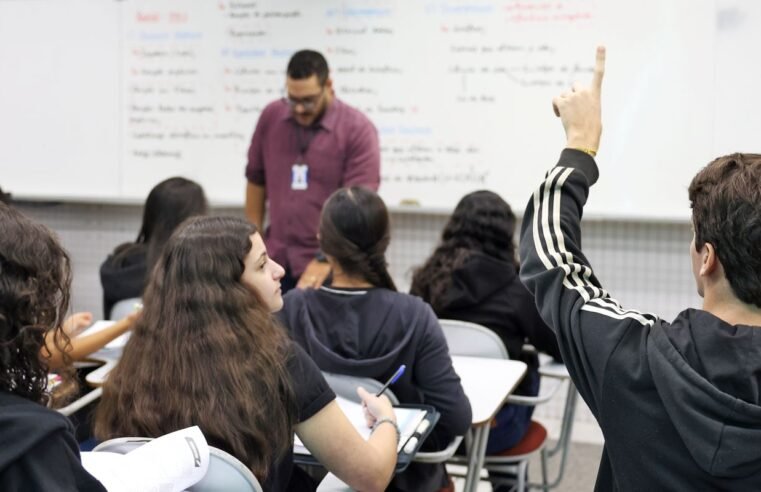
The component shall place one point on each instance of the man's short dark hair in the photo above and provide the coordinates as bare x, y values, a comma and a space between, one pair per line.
305, 63
726, 211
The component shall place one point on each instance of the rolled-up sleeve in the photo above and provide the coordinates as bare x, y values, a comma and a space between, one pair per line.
255, 167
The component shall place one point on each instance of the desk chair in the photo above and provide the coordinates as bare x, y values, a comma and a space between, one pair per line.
225, 473
346, 387
471, 339
124, 307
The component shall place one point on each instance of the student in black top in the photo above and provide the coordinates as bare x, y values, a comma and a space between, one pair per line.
361, 326
472, 275
38, 451
679, 403
124, 273
206, 351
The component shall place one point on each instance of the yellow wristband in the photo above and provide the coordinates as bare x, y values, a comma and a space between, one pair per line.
591, 152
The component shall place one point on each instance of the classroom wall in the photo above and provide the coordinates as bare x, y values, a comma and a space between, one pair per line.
644, 265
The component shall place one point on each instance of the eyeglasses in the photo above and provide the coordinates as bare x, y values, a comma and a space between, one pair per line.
308, 103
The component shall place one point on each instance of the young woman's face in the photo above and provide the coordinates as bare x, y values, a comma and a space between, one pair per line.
262, 274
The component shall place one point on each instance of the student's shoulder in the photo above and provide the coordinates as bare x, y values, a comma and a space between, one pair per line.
26, 409
309, 385
126, 254
411, 301
26, 422
295, 298
408, 306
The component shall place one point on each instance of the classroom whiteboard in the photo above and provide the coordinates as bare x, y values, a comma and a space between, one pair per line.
101, 100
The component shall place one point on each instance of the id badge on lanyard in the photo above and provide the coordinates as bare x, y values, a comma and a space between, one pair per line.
300, 169
299, 176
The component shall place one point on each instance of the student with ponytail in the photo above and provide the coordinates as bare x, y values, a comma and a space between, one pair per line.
361, 326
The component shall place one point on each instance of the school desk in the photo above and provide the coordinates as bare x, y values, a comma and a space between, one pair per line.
487, 383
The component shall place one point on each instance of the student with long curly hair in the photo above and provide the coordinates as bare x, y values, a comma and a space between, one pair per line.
362, 326
38, 450
472, 275
206, 351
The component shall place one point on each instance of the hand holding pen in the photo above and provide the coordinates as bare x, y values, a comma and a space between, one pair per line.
378, 406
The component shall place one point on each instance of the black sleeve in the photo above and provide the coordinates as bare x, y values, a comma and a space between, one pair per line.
53, 464
588, 323
535, 329
309, 386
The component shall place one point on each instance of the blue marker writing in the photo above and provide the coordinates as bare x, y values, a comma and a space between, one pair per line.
392, 379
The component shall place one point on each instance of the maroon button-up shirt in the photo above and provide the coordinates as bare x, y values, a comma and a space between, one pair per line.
342, 150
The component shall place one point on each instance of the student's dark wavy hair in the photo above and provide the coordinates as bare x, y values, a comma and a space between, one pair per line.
205, 351
482, 222
168, 204
726, 211
305, 63
354, 230
35, 277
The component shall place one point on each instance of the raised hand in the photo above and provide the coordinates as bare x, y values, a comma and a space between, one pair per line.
579, 109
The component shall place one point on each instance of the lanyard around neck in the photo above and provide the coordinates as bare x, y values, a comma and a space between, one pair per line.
305, 135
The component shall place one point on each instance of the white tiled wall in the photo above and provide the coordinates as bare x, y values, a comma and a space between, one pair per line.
643, 265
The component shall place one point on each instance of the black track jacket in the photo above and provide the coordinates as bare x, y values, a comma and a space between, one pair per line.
678, 402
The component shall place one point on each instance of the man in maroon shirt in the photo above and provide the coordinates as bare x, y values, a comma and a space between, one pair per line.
305, 146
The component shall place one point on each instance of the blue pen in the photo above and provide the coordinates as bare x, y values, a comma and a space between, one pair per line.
392, 379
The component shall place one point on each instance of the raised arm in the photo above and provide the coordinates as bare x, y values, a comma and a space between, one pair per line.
589, 324
331, 438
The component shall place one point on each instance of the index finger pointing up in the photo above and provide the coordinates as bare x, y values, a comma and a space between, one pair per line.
599, 68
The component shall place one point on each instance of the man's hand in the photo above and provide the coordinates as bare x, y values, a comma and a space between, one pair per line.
579, 110
314, 275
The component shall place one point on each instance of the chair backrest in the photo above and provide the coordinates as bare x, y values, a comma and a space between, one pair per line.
124, 307
225, 473
122, 445
471, 339
346, 386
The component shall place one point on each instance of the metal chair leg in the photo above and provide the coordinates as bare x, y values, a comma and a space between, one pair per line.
564, 441
543, 457
522, 478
